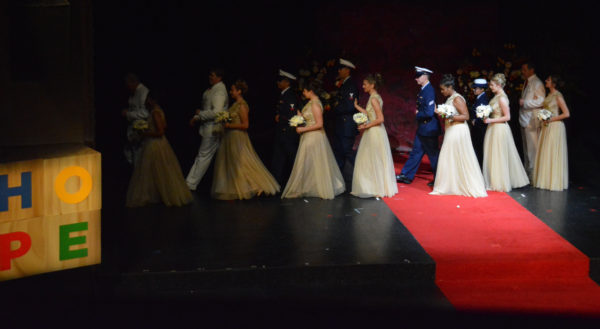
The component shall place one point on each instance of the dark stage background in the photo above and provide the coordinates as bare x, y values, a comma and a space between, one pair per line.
172, 44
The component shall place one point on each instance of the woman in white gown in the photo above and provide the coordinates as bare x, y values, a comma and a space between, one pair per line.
551, 170
157, 176
374, 174
315, 172
502, 166
239, 172
458, 171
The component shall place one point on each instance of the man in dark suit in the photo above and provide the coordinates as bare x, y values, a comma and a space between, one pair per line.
345, 127
426, 140
477, 125
286, 138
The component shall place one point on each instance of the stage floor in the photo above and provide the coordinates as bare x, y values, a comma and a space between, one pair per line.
324, 255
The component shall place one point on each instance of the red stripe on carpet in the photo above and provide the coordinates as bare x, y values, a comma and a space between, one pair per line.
493, 254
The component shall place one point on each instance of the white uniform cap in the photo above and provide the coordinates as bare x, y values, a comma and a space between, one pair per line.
480, 81
287, 75
347, 63
422, 70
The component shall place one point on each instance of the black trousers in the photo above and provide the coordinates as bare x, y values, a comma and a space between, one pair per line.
284, 154
342, 149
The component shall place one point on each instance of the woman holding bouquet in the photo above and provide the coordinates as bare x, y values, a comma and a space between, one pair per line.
315, 172
374, 174
502, 166
157, 175
458, 170
551, 170
239, 173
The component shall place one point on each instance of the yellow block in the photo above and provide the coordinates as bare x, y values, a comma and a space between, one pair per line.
57, 243
65, 180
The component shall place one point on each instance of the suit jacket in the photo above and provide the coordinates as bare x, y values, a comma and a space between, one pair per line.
286, 112
344, 123
214, 100
482, 99
428, 124
533, 95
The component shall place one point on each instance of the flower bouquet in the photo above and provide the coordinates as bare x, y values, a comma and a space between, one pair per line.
446, 111
360, 118
140, 125
297, 121
544, 115
223, 117
483, 111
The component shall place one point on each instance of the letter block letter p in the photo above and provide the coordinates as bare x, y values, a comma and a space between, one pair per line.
6, 254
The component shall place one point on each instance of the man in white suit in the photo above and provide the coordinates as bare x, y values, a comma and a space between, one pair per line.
136, 111
532, 99
214, 100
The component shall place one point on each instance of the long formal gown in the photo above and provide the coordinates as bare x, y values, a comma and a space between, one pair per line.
551, 170
157, 176
239, 172
315, 172
502, 166
374, 173
458, 171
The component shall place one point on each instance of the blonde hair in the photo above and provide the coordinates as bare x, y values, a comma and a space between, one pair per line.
500, 79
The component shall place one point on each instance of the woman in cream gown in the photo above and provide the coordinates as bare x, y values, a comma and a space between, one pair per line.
458, 170
551, 170
502, 166
239, 173
315, 172
374, 174
157, 175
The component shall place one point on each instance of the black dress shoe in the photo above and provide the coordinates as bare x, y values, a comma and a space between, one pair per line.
430, 184
403, 179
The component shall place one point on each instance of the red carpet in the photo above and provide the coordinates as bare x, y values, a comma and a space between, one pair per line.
493, 254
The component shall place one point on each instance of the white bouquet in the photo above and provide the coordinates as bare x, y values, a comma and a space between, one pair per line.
360, 118
446, 111
297, 121
544, 115
223, 117
483, 111
140, 124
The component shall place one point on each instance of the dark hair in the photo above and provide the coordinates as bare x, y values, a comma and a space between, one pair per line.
156, 96
241, 85
312, 86
557, 80
448, 81
530, 64
218, 72
376, 79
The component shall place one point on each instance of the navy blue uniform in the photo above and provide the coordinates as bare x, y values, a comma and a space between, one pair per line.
428, 131
286, 137
478, 128
345, 127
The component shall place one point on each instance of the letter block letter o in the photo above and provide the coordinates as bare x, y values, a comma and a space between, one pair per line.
84, 189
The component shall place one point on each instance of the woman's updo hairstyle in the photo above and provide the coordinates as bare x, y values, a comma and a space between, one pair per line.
312, 86
448, 81
500, 79
376, 79
557, 81
241, 85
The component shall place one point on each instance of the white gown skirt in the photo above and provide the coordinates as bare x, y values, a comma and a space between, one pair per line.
458, 171
374, 173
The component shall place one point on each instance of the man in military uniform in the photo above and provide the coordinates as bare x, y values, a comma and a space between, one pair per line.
286, 138
345, 127
428, 131
477, 125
